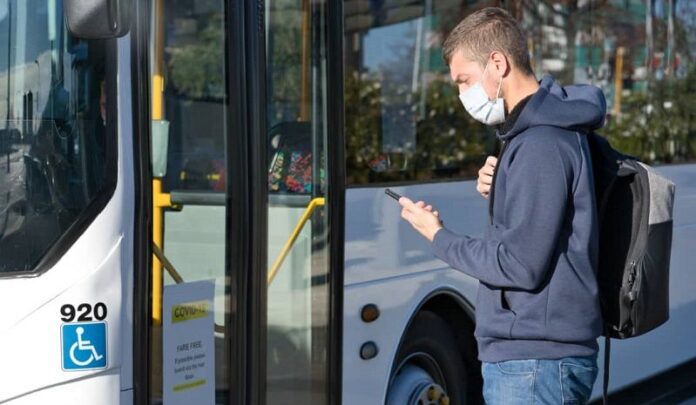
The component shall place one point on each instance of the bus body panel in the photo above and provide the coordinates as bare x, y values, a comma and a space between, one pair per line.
97, 268
127, 397
37, 337
379, 244
383, 254
102, 389
398, 298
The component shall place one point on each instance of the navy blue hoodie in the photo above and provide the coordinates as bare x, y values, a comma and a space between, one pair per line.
537, 297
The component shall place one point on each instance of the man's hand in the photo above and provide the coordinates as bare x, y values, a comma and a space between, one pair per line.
485, 176
421, 217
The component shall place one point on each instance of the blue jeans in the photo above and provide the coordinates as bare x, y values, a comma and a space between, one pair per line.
563, 381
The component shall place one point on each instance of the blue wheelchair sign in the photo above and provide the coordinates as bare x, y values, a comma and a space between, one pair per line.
84, 345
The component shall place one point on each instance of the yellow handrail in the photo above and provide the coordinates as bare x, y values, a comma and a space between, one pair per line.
316, 202
160, 201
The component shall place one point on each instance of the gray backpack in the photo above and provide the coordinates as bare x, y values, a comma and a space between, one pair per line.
634, 204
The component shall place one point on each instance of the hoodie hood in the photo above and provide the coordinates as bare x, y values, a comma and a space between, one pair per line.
578, 108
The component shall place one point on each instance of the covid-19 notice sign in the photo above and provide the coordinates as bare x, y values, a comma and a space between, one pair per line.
188, 352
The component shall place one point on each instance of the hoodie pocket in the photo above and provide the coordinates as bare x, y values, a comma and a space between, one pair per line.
493, 318
505, 306
529, 309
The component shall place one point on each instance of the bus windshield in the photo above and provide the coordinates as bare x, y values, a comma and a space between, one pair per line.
54, 143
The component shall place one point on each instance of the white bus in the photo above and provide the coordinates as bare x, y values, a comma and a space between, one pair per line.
192, 203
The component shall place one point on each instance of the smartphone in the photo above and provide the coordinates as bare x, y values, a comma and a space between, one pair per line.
396, 196
392, 194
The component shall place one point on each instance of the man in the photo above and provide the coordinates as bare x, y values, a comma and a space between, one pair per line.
537, 310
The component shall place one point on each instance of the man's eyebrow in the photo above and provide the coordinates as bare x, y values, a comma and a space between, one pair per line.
459, 78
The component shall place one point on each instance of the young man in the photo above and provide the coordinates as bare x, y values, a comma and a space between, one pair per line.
537, 310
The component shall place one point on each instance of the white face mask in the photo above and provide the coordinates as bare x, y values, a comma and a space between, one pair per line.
476, 103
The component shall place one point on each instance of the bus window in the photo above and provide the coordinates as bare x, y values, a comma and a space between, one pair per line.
404, 121
57, 144
194, 95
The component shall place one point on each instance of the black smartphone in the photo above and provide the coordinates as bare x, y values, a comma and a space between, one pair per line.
396, 196
392, 194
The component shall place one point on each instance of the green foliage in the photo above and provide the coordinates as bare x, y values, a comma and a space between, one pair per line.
449, 143
196, 69
285, 62
658, 126
363, 122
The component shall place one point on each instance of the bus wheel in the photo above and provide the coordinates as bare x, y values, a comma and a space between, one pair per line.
430, 366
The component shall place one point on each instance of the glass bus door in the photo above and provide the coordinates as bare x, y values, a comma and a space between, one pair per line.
190, 278
242, 211
298, 311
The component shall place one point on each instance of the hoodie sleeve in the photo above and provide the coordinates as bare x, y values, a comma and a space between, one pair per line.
518, 255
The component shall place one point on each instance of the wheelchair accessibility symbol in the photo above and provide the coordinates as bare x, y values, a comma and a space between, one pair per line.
84, 345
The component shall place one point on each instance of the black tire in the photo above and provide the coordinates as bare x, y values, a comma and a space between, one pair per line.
430, 334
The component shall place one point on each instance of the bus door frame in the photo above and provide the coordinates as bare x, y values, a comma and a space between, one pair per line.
246, 199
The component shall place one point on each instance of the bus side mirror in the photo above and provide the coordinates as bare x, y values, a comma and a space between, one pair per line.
97, 19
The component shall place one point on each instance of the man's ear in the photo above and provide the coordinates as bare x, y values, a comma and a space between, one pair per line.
500, 64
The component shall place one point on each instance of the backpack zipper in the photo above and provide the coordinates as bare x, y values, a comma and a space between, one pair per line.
631, 294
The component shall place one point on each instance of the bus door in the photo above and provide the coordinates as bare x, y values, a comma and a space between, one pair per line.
245, 200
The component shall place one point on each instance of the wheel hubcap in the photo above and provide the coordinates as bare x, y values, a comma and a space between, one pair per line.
418, 381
